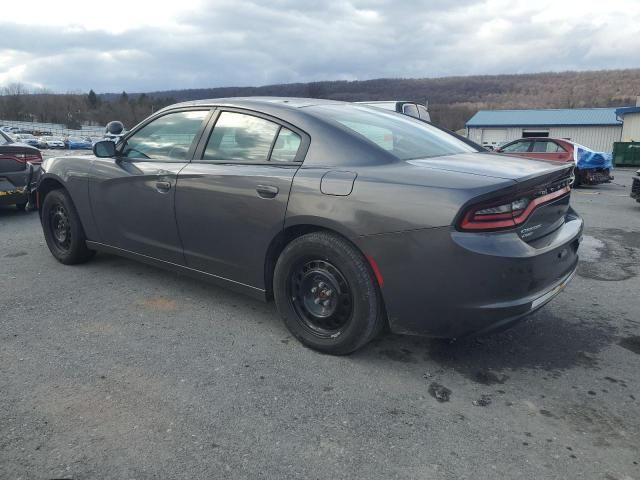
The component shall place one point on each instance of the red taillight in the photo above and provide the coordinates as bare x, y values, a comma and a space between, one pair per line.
508, 214
28, 157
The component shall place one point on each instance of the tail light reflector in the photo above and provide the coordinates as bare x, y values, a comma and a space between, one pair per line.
509, 213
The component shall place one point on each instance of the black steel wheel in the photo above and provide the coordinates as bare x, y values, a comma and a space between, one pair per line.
326, 293
321, 297
60, 227
63, 230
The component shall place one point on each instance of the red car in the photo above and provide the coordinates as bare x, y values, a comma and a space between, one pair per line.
558, 150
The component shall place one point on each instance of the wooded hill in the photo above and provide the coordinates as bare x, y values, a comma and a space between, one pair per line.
452, 100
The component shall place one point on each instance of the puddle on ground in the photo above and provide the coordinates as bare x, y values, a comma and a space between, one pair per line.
545, 342
609, 255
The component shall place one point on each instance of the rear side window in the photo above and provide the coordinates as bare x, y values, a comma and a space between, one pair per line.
402, 137
286, 147
241, 138
424, 113
410, 109
547, 147
3, 139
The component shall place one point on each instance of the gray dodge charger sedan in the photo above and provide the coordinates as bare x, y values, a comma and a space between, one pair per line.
351, 217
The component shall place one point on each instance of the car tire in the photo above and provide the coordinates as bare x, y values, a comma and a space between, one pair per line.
327, 294
63, 230
21, 206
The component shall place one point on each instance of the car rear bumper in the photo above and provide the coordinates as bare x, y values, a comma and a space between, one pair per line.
443, 283
13, 197
594, 176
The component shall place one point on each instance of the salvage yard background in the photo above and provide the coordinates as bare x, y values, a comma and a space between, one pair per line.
114, 369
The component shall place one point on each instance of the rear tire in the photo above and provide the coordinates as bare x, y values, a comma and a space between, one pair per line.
327, 295
21, 206
63, 230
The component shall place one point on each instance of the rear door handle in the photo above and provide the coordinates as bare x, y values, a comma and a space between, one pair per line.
163, 187
267, 191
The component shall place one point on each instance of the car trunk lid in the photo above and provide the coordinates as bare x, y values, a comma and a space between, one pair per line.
493, 165
540, 188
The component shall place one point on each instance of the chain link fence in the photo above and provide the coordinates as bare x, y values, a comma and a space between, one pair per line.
54, 129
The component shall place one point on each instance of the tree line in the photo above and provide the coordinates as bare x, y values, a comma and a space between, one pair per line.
76, 109
452, 100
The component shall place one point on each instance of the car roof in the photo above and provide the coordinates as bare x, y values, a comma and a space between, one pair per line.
262, 102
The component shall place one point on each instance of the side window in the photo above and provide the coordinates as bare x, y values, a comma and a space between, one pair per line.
241, 138
517, 147
167, 138
286, 146
547, 147
424, 113
410, 109
3, 139
540, 147
553, 147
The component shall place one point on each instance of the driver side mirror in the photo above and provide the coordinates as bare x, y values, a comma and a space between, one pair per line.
104, 149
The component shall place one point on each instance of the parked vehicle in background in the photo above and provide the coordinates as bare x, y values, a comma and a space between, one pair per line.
412, 109
52, 142
27, 138
635, 187
349, 216
77, 143
592, 168
18, 165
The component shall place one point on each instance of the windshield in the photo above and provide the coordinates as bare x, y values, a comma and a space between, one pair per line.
403, 137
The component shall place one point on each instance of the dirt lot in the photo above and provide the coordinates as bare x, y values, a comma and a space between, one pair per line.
118, 370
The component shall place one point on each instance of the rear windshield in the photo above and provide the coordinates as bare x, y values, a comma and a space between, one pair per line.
403, 137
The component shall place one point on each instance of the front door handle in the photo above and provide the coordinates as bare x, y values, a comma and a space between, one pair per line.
163, 187
267, 191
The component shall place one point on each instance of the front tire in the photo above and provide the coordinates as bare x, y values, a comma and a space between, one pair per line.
327, 295
63, 230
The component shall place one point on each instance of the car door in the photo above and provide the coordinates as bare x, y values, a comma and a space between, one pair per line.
232, 198
133, 195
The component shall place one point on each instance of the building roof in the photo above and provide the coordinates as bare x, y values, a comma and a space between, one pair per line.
622, 111
545, 117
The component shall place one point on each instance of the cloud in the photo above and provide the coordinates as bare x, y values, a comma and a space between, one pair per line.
202, 43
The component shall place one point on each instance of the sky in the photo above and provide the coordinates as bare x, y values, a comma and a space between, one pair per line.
138, 46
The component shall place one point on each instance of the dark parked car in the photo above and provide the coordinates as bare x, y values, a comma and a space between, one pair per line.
635, 187
592, 168
412, 109
17, 165
351, 217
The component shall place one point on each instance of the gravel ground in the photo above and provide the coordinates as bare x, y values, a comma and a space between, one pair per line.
116, 370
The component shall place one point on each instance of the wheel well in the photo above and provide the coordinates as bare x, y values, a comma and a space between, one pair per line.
47, 186
277, 246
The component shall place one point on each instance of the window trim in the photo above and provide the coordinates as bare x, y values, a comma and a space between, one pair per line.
305, 139
194, 144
